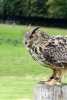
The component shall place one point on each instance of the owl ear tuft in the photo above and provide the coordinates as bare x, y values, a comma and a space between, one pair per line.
35, 30
28, 27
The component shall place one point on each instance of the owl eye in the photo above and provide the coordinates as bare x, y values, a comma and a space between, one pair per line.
31, 36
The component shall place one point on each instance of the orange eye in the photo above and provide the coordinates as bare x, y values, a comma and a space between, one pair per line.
31, 36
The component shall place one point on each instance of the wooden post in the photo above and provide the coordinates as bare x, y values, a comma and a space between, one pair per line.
46, 92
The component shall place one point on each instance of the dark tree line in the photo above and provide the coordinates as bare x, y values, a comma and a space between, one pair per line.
34, 8
55, 9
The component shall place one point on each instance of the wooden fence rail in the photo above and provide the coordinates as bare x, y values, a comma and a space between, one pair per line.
45, 92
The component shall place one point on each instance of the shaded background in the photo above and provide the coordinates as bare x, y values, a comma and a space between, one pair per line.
37, 12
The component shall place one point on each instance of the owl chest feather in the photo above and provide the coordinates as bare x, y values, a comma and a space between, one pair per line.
50, 56
39, 55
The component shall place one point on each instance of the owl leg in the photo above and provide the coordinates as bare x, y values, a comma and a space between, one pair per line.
57, 79
60, 74
53, 75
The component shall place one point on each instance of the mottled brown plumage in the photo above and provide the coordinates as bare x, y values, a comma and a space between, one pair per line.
47, 50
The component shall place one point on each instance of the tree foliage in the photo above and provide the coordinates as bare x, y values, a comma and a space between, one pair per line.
34, 8
57, 8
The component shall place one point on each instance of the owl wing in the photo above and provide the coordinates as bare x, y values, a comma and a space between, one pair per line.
56, 53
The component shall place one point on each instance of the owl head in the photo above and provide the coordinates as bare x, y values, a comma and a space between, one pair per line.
35, 37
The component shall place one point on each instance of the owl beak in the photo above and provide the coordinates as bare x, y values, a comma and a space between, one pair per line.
25, 42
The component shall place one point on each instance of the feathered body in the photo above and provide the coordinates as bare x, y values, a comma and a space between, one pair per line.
47, 50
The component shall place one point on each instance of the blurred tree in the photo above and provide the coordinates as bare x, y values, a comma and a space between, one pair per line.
1, 7
57, 8
34, 8
38, 8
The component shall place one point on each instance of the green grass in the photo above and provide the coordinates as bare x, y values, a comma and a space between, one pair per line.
8, 31
16, 88
18, 71
16, 61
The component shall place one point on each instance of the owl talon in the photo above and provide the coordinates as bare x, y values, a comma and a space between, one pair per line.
53, 82
50, 78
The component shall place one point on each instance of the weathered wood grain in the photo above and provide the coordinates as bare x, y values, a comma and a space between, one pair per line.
46, 92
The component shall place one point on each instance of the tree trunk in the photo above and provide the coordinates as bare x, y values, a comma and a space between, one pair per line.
46, 92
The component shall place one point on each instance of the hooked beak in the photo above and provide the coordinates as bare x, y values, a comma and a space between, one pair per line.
26, 43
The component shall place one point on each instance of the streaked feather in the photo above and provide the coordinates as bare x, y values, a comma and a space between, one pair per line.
46, 49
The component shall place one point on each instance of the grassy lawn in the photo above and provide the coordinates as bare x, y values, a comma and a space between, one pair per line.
16, 88
18, 71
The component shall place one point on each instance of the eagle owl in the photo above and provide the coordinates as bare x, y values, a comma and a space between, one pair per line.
50, 51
